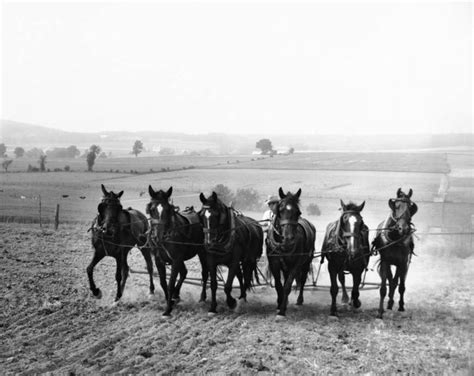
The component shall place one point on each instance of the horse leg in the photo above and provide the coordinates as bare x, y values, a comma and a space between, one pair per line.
287, 291
303, 277
383, 286
393, 283
342, 279
118, 276
233, 270
243, 287
90, 273
183, 272
356, 278
204, 275
333, 273
275, 269
161, 267
401, 289
171, 289
213, 272
149, 266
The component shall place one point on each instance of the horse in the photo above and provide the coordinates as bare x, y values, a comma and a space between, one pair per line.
394, 243
175, 237
346, 247
115, 231
290, 248
231, 239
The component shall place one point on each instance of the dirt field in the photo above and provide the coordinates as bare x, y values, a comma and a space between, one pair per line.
51, 323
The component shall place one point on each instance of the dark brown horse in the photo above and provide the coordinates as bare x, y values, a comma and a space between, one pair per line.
175, 237
233, 240
394, 242
346, 247
290, 248
115, 231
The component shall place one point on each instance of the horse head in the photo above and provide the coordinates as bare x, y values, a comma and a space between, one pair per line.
109, 211
403, 209
351, 226
160, 210
213, 216
287, 214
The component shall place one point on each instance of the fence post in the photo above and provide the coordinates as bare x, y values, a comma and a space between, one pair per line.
39, 199
56, 217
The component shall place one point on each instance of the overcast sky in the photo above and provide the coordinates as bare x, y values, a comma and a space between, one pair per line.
239, 67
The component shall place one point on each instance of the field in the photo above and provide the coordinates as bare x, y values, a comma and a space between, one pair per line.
51, 323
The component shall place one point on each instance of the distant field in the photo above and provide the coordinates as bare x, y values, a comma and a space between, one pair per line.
413, 162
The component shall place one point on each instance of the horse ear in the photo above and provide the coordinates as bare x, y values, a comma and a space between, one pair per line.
202, 198
343, 206
361, 206
214, 196
298, 194
413, 209
410, 192
399, 191
391, 203
280, 192
170, 191
120, 194
104, 191
151, 191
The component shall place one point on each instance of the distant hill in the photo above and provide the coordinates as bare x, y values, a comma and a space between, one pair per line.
14, 134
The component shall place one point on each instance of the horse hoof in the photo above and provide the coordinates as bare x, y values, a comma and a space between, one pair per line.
333, 317
232, 303
166, 315
211, 314
356, 304
280, 317
176, 300
97, 294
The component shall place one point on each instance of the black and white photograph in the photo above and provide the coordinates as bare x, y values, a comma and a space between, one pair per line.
236, 187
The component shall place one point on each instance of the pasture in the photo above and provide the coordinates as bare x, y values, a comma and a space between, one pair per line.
51, 323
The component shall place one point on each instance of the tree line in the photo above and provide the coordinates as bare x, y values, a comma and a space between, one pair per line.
94, 151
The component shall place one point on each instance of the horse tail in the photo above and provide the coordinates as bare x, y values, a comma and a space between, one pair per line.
250, 272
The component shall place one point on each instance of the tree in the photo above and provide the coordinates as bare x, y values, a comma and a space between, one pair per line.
19, 152
137, 148
291, 150
42, 162
265, 145
247, 199
3, 150
94, 151
34, 153
224, 193
73, 151
6, 163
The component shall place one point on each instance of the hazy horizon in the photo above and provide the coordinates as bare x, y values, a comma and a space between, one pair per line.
239, 68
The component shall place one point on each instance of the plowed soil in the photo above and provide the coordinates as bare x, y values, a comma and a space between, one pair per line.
51, 323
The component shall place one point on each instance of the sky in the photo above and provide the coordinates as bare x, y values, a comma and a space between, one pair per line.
239, 67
